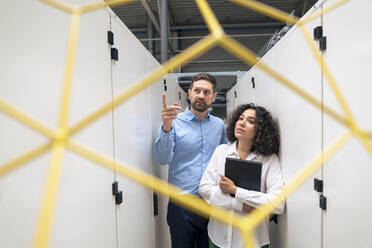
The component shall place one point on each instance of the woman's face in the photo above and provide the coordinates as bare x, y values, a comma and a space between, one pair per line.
245, 126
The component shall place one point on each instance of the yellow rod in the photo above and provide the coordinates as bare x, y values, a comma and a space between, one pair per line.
190, 53
25, 119
321, 12
248, 56
99, 5
247, 236
59, 5
267, 10
23, 158
43, 228
70, 62
259, 214
189, 201
367, 144
210, 19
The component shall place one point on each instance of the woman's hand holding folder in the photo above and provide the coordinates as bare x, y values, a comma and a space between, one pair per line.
227, 186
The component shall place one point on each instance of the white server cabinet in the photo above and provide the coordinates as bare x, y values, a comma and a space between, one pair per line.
32, 67
32, 70
347, 183
245, 90
174, 93
85, 205
161, 230
230, 100
300, 126
306, 131
133, 142
181, 96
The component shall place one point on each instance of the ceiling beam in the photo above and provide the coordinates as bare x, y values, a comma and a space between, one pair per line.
237, 26
301, 8
151, 15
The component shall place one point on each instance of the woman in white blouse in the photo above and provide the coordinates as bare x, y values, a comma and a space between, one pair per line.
253, 135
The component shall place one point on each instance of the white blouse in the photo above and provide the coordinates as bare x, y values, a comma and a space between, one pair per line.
224, 235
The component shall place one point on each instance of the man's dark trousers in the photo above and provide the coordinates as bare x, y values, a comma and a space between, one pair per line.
188, 230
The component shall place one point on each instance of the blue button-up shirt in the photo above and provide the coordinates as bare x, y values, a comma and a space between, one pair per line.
188, 147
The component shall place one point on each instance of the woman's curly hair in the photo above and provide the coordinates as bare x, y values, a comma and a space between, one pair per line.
267, 139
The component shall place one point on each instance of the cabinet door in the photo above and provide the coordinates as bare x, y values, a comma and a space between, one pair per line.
347, 174
84, 205
161, 229
133, 143
300, 127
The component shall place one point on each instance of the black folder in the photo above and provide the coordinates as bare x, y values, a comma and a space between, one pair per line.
244, 173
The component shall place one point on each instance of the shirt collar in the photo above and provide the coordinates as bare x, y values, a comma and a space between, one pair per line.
190, 116
231, 151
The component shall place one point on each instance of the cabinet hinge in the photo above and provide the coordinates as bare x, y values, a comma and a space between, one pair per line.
323, 202
114, 54
156, 206
323, 43
119, 198
318, 32
118, 194
165, 85
318, 185
115, 188
110, 38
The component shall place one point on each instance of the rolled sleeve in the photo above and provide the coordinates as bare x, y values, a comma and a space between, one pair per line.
274, 183
164, 143
237, 204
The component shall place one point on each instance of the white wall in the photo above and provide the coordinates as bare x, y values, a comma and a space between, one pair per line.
305, 130
32, 69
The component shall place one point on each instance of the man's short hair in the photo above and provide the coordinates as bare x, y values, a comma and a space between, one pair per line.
204, 76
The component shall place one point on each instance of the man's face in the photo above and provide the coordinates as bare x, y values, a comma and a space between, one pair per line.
201, 95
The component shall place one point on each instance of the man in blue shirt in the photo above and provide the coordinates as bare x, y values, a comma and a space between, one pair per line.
186, 142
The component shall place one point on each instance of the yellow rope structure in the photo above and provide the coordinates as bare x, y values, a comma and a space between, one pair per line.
60, 137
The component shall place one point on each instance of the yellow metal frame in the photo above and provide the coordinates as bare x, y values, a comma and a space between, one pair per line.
60, 137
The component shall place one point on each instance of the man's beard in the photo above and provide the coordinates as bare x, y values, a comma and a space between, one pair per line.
200, 108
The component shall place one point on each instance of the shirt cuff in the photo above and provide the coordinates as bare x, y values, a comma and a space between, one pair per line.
163, 133
239, 194
236, 204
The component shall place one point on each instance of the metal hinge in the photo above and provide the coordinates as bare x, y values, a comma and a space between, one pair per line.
118, 194
318, 35
119, 198
323, 43
115, 188
318, 185
323, 202
156, 205
253, 83
235, 94
318, 32
165, 85
110, 38
114, 54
